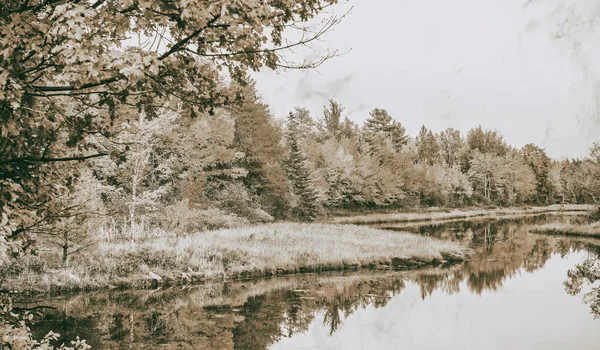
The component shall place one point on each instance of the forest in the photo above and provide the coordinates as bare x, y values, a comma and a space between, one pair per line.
243, 166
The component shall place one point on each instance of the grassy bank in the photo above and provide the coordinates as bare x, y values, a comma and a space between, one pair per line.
590, 230
455, 214
237, 253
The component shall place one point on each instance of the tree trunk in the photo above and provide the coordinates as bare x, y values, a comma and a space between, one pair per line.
65, 255
131, 331
132, 208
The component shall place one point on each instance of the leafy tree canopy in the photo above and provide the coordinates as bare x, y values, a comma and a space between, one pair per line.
71, 72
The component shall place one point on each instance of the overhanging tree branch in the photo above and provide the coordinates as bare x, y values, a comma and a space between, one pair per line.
180, 44
49, 160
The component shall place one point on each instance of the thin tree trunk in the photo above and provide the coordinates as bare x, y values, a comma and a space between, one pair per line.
65, 256
131, 331
132, 208
65, 247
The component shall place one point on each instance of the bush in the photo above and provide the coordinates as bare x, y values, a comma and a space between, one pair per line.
234, 198
182, 218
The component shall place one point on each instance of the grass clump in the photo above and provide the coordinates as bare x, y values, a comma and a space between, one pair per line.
244, 252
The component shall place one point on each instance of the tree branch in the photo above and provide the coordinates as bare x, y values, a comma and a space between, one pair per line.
50, 160
82, 87
185, 40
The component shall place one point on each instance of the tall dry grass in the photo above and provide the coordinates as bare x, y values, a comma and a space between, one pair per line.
251, 251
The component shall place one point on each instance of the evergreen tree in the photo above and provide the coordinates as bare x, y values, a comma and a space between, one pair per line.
384, 135
379, 122
260, 141
305, 125
332, 119
427, 146
540, 163
298, 174
398, 135
487, 141
348, 129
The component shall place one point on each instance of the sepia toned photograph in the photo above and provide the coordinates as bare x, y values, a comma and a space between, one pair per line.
300, 174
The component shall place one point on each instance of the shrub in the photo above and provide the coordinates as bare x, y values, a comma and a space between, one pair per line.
182, 218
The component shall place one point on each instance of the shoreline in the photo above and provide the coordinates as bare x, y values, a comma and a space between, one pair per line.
247, 253
586, 230
403, 264
205, 256
441, 215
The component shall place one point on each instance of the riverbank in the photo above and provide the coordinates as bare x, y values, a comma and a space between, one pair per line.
590, 230
259, 251
456, 214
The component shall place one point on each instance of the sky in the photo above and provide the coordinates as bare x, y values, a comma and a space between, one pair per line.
523, 67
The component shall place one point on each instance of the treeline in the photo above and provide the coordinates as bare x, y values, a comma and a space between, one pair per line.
242, 165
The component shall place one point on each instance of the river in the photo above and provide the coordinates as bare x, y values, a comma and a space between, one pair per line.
519, 291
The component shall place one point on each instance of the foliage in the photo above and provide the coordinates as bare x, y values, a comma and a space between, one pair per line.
176, 138
427, 147
486, 141
16, 333
306, 207
184, 218
584, 277
540, 164
258, 137
451, 146
71, 77
332, 119
384, 134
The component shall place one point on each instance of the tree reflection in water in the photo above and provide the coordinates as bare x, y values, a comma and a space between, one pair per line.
585, 275
256, 314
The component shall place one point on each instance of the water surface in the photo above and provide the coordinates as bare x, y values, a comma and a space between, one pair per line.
519, 291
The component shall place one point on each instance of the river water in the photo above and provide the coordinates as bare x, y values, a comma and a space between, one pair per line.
519, 291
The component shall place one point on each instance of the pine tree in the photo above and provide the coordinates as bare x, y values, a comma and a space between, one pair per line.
486, 141
299, 175
399, 137
379, 122
384, 135
427, 146
348, 129
332, 119
305, 125
259, 139
540, 163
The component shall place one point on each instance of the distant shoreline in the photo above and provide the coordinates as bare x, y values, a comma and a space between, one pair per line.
449, 214
587, 230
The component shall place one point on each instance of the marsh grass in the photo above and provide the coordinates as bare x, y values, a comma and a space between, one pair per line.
456, 214
264, 250
584, 230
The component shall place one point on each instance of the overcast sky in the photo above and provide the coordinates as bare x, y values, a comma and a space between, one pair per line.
459, 63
